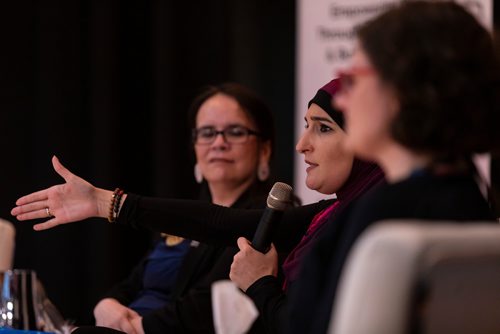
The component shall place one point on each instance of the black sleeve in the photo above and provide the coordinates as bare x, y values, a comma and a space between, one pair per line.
211, 223
127, 290
271, 302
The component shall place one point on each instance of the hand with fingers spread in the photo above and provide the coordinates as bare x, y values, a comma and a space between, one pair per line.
249, 264
110, 313
74, 200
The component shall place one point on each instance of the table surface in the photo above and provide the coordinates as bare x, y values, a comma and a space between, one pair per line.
4, 330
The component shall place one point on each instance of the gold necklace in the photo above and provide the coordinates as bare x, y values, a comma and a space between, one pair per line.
171, 240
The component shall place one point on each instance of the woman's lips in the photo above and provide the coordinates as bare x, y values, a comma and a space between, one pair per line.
222, 160
311, 166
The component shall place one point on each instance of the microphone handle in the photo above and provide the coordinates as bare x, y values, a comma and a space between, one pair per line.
262, 237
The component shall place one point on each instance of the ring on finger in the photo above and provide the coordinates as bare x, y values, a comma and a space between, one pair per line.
49, 214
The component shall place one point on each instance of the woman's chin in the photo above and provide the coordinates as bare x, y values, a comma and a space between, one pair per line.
319, 187
311, 184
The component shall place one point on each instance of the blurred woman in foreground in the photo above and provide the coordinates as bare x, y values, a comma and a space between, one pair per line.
421, 96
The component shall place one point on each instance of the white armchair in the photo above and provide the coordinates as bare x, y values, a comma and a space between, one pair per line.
415, 277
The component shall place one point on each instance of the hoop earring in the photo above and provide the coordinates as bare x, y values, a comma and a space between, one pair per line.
263, 172
197, 174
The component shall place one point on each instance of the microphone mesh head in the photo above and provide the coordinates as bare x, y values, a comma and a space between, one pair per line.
280, 196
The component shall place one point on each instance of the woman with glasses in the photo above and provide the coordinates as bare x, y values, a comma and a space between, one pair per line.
232, 134
232, 137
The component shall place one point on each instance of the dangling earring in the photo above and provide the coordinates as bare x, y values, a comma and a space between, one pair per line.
263, 172
197, 174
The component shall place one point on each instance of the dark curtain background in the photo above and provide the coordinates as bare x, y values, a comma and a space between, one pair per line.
105, 85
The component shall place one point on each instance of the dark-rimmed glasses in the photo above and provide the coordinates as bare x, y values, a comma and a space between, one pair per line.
234, 134
347, 77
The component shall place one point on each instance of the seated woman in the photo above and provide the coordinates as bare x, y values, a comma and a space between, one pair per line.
333, 169
232, 136
421, 96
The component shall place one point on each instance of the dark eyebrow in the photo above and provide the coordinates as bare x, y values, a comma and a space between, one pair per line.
321, 119
227, 126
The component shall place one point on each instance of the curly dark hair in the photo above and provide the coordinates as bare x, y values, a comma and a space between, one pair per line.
442, 65
249, 101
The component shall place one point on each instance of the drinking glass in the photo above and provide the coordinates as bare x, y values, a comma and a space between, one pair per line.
18, 299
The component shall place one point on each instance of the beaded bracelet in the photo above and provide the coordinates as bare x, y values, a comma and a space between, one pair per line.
114, 206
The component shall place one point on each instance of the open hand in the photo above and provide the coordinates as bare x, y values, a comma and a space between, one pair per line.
74, 200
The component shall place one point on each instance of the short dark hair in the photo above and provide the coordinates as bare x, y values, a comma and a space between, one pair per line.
443, 68
253, 106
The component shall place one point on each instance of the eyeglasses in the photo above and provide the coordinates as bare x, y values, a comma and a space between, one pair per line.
347, 77
234, 134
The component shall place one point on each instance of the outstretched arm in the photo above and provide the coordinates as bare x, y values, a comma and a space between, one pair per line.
211, 223
74, 200
77, 199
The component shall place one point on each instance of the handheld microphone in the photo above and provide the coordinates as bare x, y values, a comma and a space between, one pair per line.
279, 198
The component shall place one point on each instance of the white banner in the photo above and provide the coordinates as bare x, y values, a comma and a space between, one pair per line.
325, 41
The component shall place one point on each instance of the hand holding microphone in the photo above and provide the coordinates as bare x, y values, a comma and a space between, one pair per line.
259, 258
279, 198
